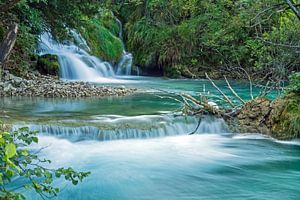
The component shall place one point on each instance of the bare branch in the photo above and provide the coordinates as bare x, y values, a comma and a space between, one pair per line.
233, 92
215, 86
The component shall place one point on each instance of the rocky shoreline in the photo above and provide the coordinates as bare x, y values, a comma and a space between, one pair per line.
36, 85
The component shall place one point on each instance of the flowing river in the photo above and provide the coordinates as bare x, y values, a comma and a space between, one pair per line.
136, 147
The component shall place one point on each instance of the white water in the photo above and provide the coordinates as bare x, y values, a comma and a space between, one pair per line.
75, 63
125, 64
107, 128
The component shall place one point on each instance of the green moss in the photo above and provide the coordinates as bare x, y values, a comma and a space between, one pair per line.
101, 41
288, 121
48, 64
109, 21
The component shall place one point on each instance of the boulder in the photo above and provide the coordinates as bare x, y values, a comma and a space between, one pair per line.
8, 88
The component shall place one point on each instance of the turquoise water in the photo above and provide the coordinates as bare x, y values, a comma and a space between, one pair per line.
137, 148
204, 166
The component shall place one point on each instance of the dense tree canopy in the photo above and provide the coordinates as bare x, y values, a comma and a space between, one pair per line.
186, 37
205, 35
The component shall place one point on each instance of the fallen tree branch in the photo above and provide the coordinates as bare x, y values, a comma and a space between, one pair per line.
215, 86
233, 92
198, 125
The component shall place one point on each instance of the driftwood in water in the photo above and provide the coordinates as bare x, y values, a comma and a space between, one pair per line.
200, 106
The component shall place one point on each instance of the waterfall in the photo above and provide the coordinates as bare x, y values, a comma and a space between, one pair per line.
124, 66
142, 128
75, 62
79, 41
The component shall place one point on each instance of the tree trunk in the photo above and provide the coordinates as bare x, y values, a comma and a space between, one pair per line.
7, 45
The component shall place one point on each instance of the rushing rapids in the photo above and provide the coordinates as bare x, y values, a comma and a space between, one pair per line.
148, 154
138, 127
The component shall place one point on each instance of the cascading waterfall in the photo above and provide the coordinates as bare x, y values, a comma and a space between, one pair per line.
124, 128
75, 62
124, 66
79, 41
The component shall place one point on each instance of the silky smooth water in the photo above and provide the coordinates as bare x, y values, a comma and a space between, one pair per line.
136, 147
204, 166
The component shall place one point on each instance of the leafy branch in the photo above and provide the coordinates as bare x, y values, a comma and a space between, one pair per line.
18, 161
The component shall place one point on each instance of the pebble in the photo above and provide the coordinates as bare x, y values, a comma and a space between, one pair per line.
48, 86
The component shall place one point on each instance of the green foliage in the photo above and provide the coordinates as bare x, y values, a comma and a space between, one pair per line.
287, 125
260, 36
294, 86
17, 160
168, 33
109, 21
102, 42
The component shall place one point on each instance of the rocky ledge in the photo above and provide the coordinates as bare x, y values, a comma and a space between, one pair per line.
36, 85
279, 119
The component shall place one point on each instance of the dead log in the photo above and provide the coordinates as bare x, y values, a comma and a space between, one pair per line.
8, 43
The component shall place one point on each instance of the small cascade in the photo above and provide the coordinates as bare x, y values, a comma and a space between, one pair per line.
124, 66
79, 40
142, 128
75, 62
120, 28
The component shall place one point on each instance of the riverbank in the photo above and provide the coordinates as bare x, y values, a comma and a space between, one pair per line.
36, 85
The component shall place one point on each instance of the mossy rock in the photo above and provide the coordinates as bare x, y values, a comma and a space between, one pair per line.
285, 117
48, 65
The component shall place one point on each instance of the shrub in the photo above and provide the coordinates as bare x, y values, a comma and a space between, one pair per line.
16, 160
